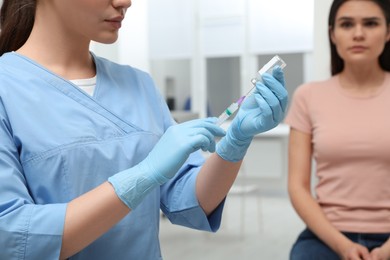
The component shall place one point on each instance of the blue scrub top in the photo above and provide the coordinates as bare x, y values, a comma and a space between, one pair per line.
57, 143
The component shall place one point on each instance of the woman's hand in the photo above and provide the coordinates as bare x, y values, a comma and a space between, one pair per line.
380, 253
355, 251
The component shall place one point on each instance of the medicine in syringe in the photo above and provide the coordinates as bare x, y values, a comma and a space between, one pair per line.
267, 68
229, 111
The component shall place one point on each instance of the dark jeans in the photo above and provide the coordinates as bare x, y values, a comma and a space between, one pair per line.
308, 246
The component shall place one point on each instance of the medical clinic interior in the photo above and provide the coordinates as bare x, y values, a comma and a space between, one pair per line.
202, 56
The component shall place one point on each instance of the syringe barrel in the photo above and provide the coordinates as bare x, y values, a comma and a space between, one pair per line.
227, 113
275, 61
222, 118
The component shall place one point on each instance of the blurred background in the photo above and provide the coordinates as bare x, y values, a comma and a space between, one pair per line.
202, 55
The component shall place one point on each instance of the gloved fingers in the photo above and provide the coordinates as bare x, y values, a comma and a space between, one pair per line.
212, 120
209, 144
216, 130
194, 134
198, 134
269, 107
278, 74
203, 141
209, 147
207, 123
276, 88
207, 131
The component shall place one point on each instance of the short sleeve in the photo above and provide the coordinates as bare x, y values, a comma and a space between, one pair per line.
298, 115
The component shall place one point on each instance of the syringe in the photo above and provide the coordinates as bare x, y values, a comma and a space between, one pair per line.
230, 110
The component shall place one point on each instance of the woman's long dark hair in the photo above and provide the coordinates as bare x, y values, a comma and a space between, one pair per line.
16, 22
337, 64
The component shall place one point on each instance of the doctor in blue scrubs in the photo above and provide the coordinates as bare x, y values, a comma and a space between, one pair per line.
89, 152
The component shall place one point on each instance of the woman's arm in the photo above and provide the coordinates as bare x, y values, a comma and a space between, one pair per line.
299, 176
90, 216
214, 181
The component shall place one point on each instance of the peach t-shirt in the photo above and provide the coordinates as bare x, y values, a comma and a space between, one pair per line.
351, 147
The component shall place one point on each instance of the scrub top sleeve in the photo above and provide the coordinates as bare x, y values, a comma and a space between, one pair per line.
179, 202
27, 231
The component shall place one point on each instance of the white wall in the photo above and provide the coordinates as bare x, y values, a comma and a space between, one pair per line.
133, 45
317, 64
179, 70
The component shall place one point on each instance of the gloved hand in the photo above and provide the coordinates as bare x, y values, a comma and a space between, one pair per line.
165, 159
260, 112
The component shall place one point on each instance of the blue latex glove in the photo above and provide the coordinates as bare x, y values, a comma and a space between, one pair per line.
165, 159
260, 112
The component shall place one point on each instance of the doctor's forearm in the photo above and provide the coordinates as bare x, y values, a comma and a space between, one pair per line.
214, 181
90, 216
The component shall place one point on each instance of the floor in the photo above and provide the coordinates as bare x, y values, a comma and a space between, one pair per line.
257, 226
